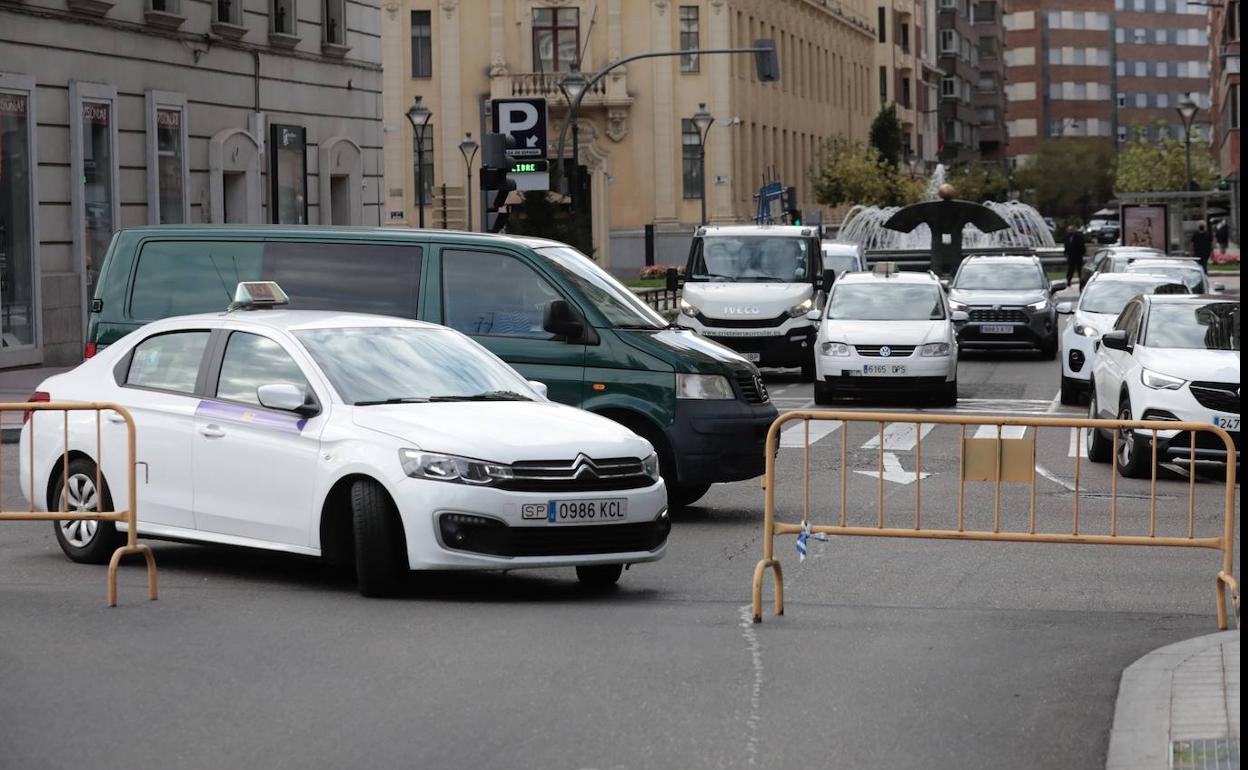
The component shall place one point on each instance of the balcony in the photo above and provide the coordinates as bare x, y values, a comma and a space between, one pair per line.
611, 91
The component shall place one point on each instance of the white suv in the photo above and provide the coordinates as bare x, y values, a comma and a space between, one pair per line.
1169, 357
887, 333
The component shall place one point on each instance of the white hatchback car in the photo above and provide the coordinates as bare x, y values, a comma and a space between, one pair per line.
389, 443
887, 333
1092, 315
1169, 357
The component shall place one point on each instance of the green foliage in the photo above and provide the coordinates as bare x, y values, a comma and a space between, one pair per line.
886, 135
1144, 166
850, 172
980, 182
1068, 177
538, 215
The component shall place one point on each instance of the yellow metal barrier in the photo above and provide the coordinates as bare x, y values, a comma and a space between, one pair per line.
993, 460
126, 516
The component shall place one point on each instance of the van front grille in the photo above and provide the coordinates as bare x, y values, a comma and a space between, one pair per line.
752, 389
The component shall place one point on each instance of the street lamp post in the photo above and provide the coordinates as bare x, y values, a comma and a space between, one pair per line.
418, 114
573, 85
702, 121
468, 148
1187, 113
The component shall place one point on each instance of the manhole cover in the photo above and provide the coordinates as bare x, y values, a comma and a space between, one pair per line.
1205, 754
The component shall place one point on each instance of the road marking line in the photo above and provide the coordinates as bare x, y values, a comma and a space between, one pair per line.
894, 472
795, 436
1054, 478
1077, 448
1007, 431
755, 717
898, 437
1056, 403
1176, 468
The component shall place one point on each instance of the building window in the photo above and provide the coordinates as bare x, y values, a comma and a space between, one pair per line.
1141, 101
883, 85
881, 24
18, 205
948, 88
227, 12
556, 39
335, 25
691, 160
288, 175
283, 17
1163, 69
689, 38
903, 93
425, 195
165, 6
948, 41
903, 38
94, 167
167, 173
422, 44
1230, 27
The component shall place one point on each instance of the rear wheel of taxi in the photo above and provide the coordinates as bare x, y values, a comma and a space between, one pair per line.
599, 575
378, 540
87, 542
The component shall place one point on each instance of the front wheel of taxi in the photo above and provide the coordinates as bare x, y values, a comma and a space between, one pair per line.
378, 540
82, 489
599, 575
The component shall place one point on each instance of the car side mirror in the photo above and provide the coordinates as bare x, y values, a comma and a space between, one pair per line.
562, 320
959, 316
1056, 286
1116, 340
1065, 308
286, 397
813, 315
540, 387
672, 279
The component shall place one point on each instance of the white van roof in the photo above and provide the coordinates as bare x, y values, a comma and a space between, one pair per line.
784, 231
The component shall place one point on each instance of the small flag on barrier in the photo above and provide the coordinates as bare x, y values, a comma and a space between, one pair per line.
805, 535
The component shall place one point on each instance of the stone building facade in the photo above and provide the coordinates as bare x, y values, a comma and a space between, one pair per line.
117, 114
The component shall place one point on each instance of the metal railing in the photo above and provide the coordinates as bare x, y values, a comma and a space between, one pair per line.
661, 299
126, 515
994, 460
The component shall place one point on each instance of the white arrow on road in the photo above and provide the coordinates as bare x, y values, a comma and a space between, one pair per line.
894, 472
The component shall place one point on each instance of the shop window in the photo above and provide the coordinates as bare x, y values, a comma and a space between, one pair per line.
18, 206
167, 172
288, 175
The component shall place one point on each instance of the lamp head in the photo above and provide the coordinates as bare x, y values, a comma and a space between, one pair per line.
419, 114
702, 119
572, 85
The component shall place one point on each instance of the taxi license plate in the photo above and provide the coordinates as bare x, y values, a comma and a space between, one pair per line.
886, 370
577, 511
997, 329
1226, 422
754, 357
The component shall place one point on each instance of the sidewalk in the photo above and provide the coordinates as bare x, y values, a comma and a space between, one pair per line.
16, 385
1178, 707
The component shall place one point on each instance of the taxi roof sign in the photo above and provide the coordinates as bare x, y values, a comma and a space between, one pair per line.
885, 268
250, 295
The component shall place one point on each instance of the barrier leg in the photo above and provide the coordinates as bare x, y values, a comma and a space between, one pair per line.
127, 550
1227, 583
775, 565
759, 569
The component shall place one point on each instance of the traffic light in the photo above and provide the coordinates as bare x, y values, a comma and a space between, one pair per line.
791, 209
766, 65
1224, 184
494, 182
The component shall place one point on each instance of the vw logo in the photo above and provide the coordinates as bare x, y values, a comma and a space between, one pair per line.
885, 351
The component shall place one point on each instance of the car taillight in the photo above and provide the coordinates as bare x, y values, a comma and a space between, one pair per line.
38, 396
90, 350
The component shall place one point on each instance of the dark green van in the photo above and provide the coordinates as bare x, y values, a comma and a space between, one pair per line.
539, 305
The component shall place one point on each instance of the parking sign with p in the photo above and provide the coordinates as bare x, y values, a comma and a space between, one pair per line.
525, 121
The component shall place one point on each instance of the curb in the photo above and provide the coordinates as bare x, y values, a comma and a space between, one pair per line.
1140, 737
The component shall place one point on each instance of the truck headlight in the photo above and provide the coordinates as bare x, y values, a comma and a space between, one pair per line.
933, 349
801, 308
687, 309
650, 466
1159, 381
1036, 307
838, 349
458, 470
704, 386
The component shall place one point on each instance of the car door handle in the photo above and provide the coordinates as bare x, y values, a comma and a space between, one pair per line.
211, 431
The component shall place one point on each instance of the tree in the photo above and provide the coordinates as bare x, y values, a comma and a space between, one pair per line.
980, 182
1144, 166
850, 172
886, 135
1068, 177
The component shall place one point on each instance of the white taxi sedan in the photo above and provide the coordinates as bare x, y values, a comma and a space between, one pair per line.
389, 443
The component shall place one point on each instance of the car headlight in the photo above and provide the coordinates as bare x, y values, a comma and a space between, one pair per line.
1085, 331
704, 386
801, 308
933, 349
458, 470
650, 466
1159, 381
687, 309
955, 305
839, 349
1036, 307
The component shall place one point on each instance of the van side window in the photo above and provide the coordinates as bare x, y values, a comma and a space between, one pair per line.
181, 277
168, 361
493, 295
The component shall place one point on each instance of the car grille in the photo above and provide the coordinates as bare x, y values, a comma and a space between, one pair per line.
999, 315
894, 351
580, 475
488, 536
752, 389
1222, 396
743, 323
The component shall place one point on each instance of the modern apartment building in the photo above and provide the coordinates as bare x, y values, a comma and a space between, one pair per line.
989, 29
115, 114
907, 76
636, 136
958, 59
1113, 69
1224, 110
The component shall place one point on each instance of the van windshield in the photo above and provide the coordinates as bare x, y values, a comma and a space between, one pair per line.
620, 306
771, 259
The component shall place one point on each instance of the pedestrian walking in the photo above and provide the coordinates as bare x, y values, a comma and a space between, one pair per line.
1222, 234
1202, 246
1075, 247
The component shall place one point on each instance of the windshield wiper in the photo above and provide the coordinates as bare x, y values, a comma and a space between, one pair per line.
709, 276
399, 400
492, 395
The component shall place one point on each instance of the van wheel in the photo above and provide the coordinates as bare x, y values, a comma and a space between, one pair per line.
1100, 449
808, 371
86, 542
684, 495
599, 575
378, 540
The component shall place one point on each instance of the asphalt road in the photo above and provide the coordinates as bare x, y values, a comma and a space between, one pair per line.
892, 653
